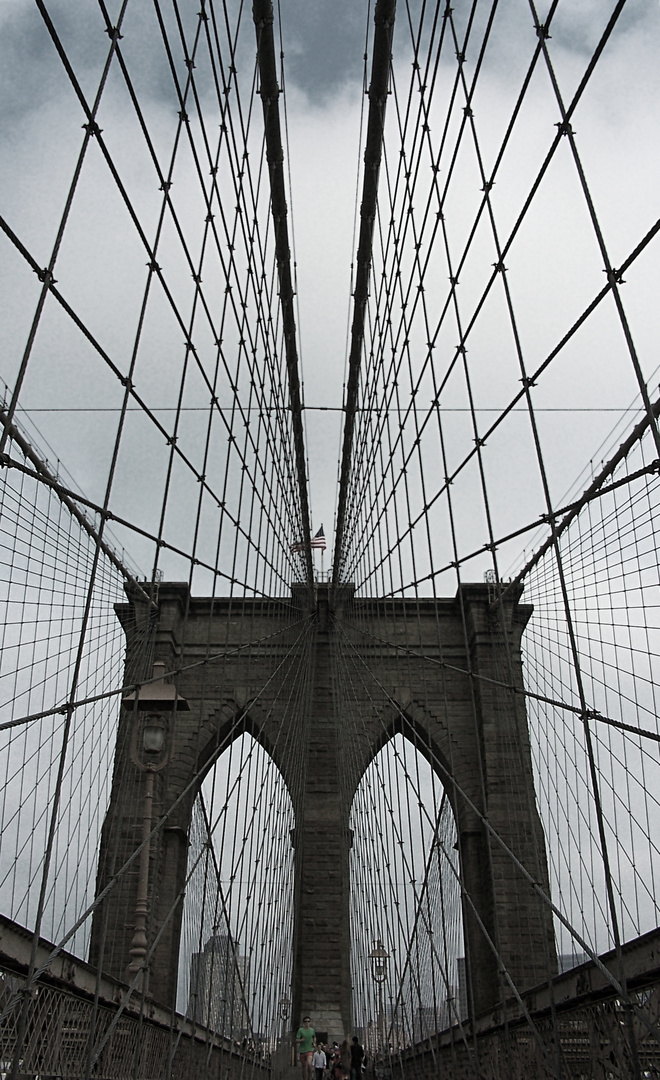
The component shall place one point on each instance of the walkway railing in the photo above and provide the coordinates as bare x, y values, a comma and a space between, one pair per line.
76, 1027
576, 1026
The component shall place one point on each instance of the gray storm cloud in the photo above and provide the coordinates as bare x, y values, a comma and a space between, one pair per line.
101, 266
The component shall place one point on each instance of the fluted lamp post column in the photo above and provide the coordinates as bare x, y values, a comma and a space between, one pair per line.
153, 709
284, 1007
378, 958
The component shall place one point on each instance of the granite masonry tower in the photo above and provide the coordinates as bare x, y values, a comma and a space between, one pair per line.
449, 673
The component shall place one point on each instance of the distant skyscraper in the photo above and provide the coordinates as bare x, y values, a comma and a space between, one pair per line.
218, 993
566, 961
463, 1009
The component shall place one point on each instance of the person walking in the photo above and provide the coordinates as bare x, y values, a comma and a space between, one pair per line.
345, 1056
306, 1039
357, 1055
319, 1062
334, 1061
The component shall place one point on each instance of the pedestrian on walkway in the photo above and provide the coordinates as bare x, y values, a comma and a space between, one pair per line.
332, 1054
357, 1054
337, 1071
306, 1039
345, 1054
319, 1062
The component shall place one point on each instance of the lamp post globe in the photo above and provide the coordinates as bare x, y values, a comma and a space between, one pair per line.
378, 958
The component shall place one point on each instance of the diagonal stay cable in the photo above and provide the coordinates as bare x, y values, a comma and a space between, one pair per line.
407, 300
384, 16
519, 396
43, 473
135, 686
253, 249
44, 275
528, 200
575, 934
222, 814
160, 824
262, 13
557, 703
122, 379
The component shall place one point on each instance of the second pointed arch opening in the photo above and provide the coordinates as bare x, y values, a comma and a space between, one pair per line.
408, 968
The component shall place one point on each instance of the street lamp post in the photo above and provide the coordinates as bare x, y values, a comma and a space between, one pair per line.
378, 958
150, 751
284, 1007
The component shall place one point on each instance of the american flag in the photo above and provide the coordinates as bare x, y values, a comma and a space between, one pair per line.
317, 541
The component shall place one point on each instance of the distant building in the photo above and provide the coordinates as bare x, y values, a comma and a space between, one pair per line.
427, 1022
219, 978
463, 1008
430, 1019
398, 1029
566, 961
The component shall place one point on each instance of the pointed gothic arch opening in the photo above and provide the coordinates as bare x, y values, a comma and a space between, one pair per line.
235, 955
405, 902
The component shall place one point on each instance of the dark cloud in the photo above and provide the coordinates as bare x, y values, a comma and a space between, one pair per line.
324, 44
577, 27
32, 72
28, 66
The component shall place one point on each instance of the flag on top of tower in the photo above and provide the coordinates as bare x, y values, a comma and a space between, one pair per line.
316, 541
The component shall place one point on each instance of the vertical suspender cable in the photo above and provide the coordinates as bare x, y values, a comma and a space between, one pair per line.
380, 70
262, 13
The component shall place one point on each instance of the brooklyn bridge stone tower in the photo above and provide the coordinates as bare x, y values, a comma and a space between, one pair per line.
446, 674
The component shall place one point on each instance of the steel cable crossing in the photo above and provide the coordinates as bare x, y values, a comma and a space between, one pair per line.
232, 501
404, 524
416, 494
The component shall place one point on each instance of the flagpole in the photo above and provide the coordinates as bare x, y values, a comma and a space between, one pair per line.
318, 541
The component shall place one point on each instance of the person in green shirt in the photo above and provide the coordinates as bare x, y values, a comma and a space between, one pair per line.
306, 1039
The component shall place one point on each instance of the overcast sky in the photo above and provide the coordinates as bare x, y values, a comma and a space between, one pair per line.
554, 272
554, 269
